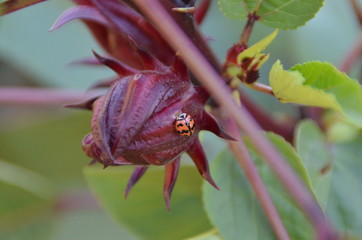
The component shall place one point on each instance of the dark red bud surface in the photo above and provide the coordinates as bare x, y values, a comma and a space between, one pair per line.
135, 123
152, 113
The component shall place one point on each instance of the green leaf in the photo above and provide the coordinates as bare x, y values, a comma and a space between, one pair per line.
290, 86
257, 48
318, 84
317, 157
335, 175
210, 235
290, 154
340, 131
51, 147
26, 205
236, 210
144, 211
88, 224
26, 179
345, 196
284, 14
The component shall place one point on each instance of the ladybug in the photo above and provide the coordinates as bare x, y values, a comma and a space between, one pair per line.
184, 125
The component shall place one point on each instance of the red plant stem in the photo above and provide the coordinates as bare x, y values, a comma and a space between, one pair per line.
352, 56
357, 10
266, 121
261, 88
252, 18
246, 162
211, 80
28, 96
14, 5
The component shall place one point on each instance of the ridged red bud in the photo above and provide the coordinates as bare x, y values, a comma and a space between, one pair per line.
152, 113
134, 123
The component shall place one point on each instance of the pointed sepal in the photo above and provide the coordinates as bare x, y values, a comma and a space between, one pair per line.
80, 12
211, 124
87, 104
198, 156
137, 173
120, 68
87, 61
171, 172
149, 61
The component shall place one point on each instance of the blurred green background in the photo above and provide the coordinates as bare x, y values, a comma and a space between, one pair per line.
43, 194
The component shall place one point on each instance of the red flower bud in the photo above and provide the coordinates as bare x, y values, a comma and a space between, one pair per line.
152, 113
150, 117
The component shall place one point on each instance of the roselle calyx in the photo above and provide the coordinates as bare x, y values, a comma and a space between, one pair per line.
134, 122
151, 113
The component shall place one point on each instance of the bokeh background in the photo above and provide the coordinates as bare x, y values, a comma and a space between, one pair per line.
43, 193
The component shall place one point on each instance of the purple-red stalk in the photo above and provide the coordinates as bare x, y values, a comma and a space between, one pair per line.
31, 96
10, 6
252, 18
243, 157
211, 80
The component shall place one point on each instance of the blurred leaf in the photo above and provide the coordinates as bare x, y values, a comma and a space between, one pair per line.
210, 235
14, 5
318, 84
290, 154
88, 225
335, 175
235, 211
284, 14
26, 180
51, 148
144, 211
339, 130
347, 91
317, 157
345, 195
26, 209
294, 220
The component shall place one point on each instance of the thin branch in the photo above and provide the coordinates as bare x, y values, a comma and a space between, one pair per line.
243, 157
14, 5
30, 96
266, 121
252, 18
211, 80
260, 87
352, 56
357, 10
